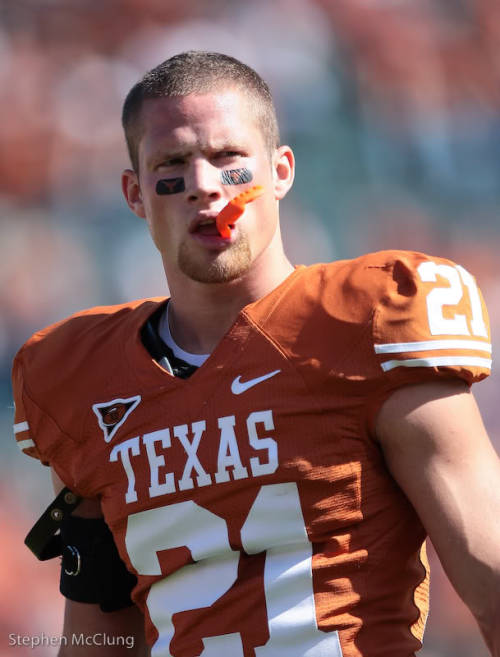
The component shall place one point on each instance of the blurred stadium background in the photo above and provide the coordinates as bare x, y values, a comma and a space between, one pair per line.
392, 107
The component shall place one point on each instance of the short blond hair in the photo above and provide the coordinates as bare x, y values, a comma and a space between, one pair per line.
198, 72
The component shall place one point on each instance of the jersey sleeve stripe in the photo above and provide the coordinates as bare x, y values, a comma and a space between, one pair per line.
19, 427
436, 361
25, 444
432, 345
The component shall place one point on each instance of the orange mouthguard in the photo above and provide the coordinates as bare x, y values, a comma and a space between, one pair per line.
235, 208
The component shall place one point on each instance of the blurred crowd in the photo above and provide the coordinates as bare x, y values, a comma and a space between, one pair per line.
392, 108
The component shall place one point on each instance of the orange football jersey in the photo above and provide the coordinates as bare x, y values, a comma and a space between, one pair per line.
252, 500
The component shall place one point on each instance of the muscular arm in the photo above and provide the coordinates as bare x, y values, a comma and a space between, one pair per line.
89, 621
437, 449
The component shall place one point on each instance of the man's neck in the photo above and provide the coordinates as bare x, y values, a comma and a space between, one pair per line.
201, 314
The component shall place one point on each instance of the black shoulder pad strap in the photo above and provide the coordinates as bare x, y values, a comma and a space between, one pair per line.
43, 538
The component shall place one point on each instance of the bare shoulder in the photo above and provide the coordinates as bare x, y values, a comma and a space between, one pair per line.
431, 427
438, 451
443, 413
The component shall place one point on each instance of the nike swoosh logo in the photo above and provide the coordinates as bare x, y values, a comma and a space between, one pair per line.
238, 386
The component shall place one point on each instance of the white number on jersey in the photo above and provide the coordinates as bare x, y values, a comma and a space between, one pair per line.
275, 525
438, 297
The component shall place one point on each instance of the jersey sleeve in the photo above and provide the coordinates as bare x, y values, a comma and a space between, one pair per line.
428, 322
431, 319
23, 426
37, 434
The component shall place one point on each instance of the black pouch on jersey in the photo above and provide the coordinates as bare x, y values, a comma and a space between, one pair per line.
44, 538
91, 569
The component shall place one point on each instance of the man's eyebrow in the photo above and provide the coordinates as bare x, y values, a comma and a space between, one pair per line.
228, 146
165, 154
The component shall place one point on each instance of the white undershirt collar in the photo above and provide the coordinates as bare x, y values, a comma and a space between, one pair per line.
164, 331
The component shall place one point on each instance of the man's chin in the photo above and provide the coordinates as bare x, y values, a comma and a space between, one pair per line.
223, 268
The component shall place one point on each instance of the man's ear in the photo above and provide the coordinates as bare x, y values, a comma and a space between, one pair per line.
284, 171
132, 192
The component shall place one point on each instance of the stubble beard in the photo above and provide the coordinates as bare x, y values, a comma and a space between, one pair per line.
220, 267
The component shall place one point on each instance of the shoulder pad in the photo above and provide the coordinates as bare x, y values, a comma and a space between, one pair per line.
58, 364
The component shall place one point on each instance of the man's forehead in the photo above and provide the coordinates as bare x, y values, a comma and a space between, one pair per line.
220, 104
222, 118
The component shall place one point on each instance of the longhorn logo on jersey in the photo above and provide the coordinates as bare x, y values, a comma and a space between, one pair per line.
112, 414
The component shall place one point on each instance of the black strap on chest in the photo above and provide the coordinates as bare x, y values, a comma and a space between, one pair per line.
160, 351
44, 538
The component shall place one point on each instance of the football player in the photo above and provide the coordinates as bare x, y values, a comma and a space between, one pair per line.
250, 467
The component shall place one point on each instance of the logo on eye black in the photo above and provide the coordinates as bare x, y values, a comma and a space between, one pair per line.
170, 186
112, 414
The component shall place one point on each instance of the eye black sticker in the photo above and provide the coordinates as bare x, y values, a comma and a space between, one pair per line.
170, 186
236, 176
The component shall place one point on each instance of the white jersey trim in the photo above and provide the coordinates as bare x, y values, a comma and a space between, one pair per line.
24, 444
21, 426
432, 345
436, 361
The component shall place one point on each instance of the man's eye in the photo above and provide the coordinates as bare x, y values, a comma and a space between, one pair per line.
172, 162
229, 154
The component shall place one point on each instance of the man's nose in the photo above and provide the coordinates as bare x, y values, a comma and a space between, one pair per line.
204, 183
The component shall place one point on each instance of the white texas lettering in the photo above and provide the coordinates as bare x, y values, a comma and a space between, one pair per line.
229, 454
156, 461
123, 451
265, 418
193, 462
229, 464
